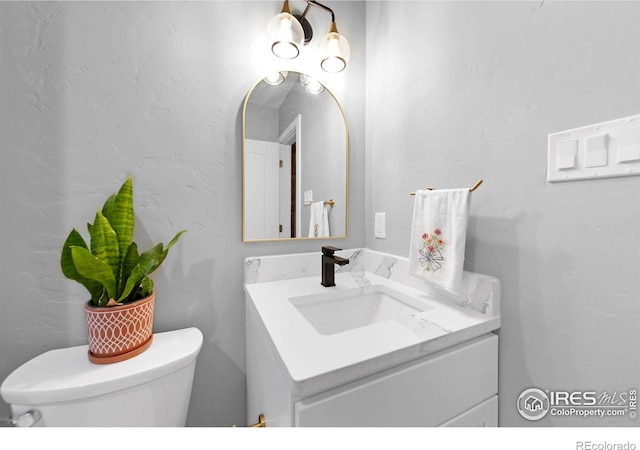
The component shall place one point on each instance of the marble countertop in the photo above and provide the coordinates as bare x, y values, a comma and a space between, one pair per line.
316, 362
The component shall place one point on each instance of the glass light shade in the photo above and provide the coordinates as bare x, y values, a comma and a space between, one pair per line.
334, 52
286, 36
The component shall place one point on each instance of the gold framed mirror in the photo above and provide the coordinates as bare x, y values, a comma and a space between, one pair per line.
295, 161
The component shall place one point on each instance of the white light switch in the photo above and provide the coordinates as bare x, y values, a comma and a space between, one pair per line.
629, 145
566, 152
596, 154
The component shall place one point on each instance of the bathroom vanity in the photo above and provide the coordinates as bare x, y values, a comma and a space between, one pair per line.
380, 348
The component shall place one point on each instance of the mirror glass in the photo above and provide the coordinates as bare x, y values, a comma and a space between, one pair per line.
295, 161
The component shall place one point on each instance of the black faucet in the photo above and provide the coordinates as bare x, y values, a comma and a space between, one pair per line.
328, 262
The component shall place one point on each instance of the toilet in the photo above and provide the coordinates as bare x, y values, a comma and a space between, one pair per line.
62, 388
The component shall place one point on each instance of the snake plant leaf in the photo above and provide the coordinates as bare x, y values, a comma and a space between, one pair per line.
166, 250
95, 269
147, 261
69, 269
128, 264
118, 210
104, 243
146, 287
107, 209
174, 240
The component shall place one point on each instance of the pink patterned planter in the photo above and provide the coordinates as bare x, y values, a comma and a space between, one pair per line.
118, 333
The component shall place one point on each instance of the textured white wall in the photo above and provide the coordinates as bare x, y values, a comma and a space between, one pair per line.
471, 90
91, 91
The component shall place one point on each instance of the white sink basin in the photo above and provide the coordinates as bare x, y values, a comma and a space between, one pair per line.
337, 311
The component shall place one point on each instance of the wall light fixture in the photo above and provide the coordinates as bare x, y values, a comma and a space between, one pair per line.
289, 32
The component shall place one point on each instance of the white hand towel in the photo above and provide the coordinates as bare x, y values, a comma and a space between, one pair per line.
319, 220
438, 236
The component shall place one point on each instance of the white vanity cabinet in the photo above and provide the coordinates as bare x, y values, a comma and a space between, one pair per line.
457, 386
433, 362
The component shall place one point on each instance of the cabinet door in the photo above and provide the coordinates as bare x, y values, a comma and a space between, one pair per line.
427, 392
268, 392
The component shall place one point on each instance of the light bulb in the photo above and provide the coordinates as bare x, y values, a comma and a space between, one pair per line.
286, 36
334, 52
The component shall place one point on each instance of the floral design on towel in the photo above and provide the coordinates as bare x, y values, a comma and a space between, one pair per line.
430, 254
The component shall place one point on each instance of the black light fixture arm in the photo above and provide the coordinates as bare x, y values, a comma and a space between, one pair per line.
319, 5
306, 26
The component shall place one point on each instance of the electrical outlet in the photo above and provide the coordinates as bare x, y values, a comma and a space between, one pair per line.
380, 225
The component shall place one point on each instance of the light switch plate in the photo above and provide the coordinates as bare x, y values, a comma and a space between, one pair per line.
602, 150
308, 197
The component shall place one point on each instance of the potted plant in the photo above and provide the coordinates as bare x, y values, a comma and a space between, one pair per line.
120, 312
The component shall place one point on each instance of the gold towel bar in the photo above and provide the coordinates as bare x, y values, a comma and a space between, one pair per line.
326, 202
471, 189
262, 423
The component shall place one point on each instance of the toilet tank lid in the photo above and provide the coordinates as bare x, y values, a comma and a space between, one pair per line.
67, 374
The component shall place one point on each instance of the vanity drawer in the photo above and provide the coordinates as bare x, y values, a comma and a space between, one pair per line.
483, 415
426, 392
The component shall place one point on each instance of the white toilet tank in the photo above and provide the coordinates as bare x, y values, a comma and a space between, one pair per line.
67, 390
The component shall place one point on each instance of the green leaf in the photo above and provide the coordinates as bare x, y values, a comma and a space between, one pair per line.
95, 269
69, 269
108, 206
119, 212
146, 263
166, 250
146, 287
128, 264
104, 243
174, 240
